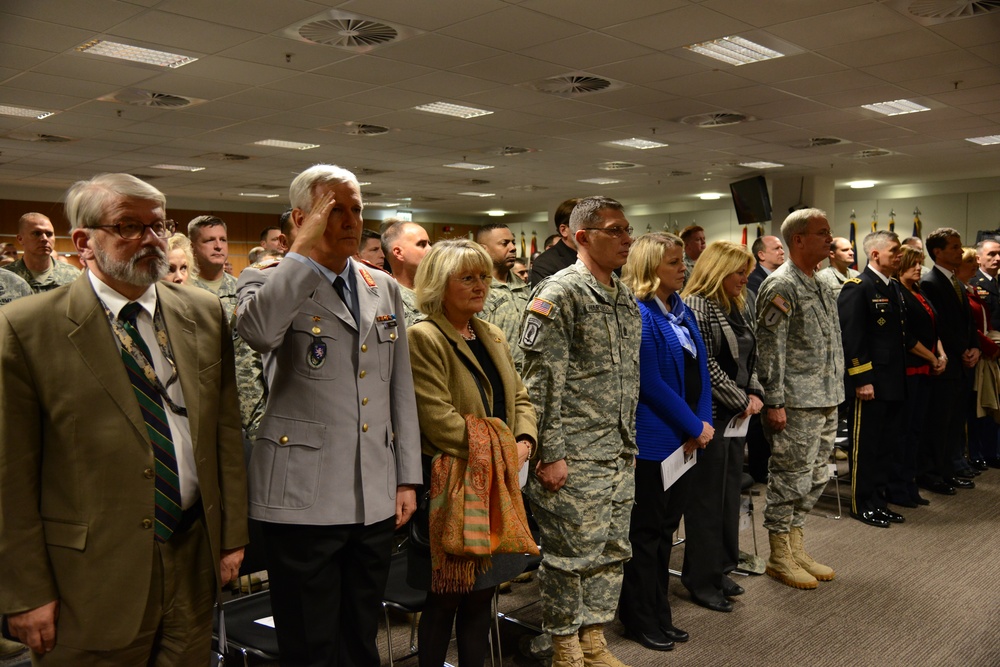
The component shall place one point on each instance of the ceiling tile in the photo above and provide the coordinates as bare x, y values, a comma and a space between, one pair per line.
154, 28
678, 27
845, 26
263, 16
513, 29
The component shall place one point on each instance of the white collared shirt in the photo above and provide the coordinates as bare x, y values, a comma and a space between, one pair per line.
180, 428
877, 273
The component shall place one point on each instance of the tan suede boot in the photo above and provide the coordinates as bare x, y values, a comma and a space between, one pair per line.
566, 651
781, 565
805, 561
595, 648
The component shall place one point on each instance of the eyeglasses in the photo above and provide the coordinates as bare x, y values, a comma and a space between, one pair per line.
133, 231
614, 232
470, 280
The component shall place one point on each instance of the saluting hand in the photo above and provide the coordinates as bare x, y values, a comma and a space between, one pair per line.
312, 228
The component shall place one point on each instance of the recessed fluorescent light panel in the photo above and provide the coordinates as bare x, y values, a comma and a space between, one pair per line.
709, 196
895, 107
641, 144
136, 54
455, 110
991, 140
478, 194
278, 143
469, 165
496, 213
176, 167
258, 194
599, 181
23, 112
862, 185
760, 165
735, 50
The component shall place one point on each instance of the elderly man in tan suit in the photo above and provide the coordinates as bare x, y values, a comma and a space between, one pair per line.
337, 456
122, 484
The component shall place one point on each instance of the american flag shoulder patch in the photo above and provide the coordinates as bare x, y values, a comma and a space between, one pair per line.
541, 306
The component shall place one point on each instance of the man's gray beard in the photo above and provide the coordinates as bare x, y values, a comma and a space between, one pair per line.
128, 271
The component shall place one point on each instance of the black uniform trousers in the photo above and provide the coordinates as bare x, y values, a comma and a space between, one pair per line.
874, 428
326, 593
905, 459
945, 426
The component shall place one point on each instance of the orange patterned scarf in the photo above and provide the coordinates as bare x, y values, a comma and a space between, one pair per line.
476, 508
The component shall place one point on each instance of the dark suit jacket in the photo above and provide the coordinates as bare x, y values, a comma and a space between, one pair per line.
988, 291
74, 450
553, 260
873, 329
755, 278
954, 324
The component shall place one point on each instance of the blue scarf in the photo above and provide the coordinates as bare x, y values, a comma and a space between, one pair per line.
676, 317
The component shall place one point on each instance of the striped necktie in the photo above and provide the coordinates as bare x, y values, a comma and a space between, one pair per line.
167, 487
959, 292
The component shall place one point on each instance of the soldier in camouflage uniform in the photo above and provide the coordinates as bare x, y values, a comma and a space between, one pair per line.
404, 245
211, 250
508, 293
37, 267
580, 338
12, 287
801, 367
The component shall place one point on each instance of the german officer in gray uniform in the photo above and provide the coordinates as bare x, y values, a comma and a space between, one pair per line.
337, 455
580, 337
801, 367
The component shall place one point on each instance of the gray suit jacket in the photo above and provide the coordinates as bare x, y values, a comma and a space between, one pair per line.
340, 430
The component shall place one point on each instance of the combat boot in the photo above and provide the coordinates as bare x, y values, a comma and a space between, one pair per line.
805, 561
566, 651
595, 648
781, 565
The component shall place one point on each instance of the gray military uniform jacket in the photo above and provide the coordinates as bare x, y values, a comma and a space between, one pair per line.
341, 398
800, 358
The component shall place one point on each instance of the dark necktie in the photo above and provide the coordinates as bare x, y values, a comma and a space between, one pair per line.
167, 486
341, 286
959, 292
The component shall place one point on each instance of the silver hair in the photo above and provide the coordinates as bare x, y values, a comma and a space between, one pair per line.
300, 193
878, 241
588, 211
797, 221
86, 202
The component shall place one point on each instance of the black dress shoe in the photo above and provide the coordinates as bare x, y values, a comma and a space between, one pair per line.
675, 634
993, 463
960, 483
730, 588
964, 474
939, 487
980, 464
872, 518
920, 500
714, 605
890, 516
902, 502
654, 641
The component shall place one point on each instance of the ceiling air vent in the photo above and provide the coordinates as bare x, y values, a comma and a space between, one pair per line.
509, 150
718, 119
817, 142
574, 85
422, 199
615, 166
527, 188
351, 32
471, 181
147, 177
869, 153
366, 130
677, 172
226, 157
41, 138
365, 171
945, 10
147, 98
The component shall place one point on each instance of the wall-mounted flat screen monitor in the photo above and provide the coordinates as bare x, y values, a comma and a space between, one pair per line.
753, 205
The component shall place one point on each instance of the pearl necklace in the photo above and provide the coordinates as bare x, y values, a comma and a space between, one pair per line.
468, 334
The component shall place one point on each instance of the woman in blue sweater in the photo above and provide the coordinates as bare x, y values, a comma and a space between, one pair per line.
675, 410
